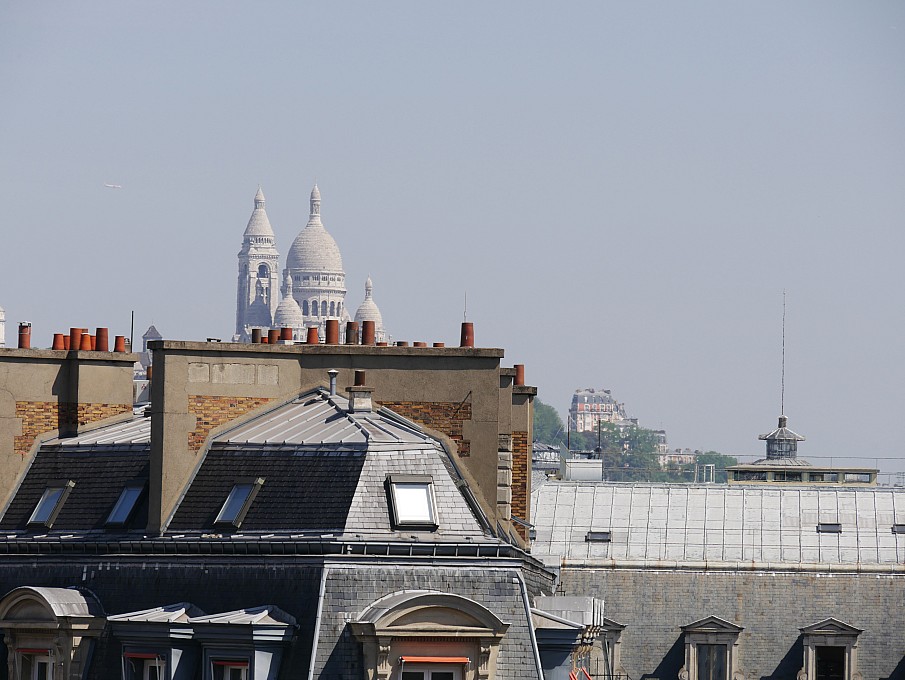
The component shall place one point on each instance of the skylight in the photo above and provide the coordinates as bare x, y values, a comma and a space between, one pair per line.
237, 503
51, 502
125, 504
412, 501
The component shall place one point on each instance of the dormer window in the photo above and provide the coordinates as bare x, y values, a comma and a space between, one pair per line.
51, 503
126, 503
412, 501
237, 503
230, 669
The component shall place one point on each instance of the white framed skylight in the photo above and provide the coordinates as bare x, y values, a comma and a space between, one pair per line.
412, 501
47, 509
238, 501
126, 503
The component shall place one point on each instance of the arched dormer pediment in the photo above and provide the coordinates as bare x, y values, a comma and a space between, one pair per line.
47, 606
413, 613
406, 625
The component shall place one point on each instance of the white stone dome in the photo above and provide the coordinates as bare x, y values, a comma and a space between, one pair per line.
368, 310
288, 314
258, 224
314, 249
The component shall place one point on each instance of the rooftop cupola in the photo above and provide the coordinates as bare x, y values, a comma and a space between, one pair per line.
782, 443
315, 201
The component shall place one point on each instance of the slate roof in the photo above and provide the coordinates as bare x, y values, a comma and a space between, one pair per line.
100, 473
662, 523
324, 470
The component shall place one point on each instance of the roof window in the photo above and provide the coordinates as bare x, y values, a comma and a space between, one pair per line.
51, 503
898, 528
829, 528
237, 503
598, 537
412, 501
126, 503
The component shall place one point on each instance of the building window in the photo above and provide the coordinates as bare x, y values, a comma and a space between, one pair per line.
229, 669
412, 501
237, 503
830, 650
711, 650
784, 476
858, 477
823, 477
34, 664
431, 672
51, 503
263, 271
141, 666
125, 504
598, 536
323, 308
829, 528
305, 307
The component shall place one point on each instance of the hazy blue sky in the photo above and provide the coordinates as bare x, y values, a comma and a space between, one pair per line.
623, 189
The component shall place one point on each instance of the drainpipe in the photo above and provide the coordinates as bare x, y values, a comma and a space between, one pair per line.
527, 603
317, 622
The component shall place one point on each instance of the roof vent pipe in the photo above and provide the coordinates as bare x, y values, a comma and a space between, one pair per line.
58, 341
24, 335
313, 337
467, 334
286, 334
273, 336
119, 343
333, 373
256, 336
85, 342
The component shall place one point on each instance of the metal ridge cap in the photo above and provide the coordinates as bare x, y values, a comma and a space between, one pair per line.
738, 566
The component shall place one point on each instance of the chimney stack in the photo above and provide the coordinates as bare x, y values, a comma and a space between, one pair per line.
332, 332
24, 335
467, 334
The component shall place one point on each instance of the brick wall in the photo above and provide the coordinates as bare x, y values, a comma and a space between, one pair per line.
520, 478
443, 416
39, 417
212, 411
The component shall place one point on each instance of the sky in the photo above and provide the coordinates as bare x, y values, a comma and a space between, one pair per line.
622, 190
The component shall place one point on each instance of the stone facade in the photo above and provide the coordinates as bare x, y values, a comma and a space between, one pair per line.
771, 606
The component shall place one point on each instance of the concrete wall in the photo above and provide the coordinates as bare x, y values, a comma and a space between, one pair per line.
48, 392
771, 606
199, 389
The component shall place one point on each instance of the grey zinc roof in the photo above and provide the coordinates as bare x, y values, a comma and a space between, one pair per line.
136, 430
171, 613
319, 418
660, 523
263, 615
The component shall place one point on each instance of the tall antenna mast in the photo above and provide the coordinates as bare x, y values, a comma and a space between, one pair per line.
782, 387
465, 311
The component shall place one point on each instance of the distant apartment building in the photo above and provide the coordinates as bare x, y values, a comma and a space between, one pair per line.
676, 456
590, 407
